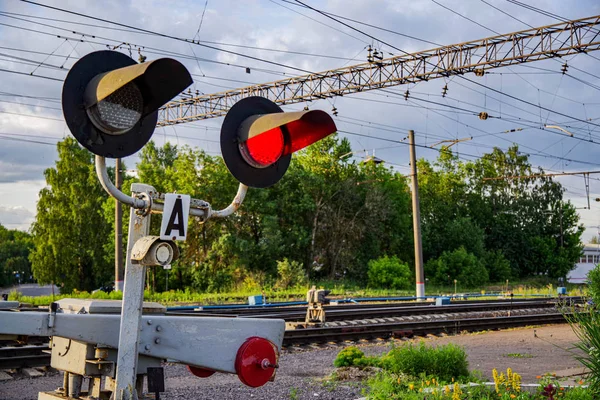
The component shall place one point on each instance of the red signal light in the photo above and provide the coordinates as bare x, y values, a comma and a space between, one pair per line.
263, 150
258, 139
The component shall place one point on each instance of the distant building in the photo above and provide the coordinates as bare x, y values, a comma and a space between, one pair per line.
588, 261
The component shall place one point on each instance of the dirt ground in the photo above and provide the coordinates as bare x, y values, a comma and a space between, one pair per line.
301, 373
528, 351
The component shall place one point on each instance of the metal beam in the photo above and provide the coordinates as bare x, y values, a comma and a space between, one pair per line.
558, 40
208, 342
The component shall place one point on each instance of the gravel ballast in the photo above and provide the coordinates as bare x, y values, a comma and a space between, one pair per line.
302, 374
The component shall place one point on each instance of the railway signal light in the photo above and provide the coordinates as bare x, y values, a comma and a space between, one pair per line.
258, 139
110, 102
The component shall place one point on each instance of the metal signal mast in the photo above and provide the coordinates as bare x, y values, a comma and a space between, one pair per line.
558, 40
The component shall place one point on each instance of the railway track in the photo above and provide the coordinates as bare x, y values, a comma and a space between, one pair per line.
359, 311
356, 322
25, 356
411, 329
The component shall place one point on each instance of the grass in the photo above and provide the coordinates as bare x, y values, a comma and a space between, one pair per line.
420, 372
519, 355
339, 290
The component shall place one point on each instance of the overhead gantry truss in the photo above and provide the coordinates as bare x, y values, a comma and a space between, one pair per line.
558, 40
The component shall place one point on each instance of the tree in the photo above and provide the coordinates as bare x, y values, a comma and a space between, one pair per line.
389, 273
15, 247
459, 265
526, 218
497, 265
70, 231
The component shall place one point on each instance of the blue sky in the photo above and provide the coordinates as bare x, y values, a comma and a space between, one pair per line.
279, 25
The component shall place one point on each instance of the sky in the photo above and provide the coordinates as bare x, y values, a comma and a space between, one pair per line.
38, 45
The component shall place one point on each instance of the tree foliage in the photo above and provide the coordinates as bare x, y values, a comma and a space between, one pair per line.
329, 217
389, 273
459, 265
70, 229
14, 256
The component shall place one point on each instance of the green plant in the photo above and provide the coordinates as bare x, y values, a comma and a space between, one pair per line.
519, 355
458, 264
387, 385
446, 362
293, 393
497, 265
594, 284
290, 274
348, 357
389, 272
586, 326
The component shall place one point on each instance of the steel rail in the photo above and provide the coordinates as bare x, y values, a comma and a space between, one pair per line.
12, 357
346, 312
410, 329
34, 356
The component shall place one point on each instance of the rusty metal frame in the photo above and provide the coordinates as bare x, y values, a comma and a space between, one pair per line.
535, 44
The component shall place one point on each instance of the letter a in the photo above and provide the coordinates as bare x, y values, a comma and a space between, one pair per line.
176, 215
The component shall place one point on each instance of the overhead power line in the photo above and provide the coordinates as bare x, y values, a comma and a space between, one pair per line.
166, 36
421, 66
533, 176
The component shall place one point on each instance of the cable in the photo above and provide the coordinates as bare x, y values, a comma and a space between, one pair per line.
26, 74
8, 14
31, 105
370, 26
467, 18
167, 36
147, 49
319, 22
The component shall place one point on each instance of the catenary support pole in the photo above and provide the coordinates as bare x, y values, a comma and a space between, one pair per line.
119, 271
419, 274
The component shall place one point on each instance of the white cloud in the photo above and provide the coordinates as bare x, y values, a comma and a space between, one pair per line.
268, 24
16, 217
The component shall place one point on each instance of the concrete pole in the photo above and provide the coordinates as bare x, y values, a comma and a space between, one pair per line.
419, 273
119, 273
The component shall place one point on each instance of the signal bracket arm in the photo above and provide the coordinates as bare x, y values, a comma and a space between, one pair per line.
233, 207
200, 208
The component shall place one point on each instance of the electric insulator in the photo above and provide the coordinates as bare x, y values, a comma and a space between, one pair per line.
564, 68
406, 94
334, 111
377, 55
369, 56
444, 90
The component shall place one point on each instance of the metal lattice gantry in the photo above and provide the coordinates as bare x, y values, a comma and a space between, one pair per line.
535, 44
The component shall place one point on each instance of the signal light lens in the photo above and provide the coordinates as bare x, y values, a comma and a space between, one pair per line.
263, 150
119, 112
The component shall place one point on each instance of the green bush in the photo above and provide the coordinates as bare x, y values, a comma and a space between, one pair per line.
444, 362
594, 284
460, 265
389, 273
348, 357
586, 326
290, 274
497, 265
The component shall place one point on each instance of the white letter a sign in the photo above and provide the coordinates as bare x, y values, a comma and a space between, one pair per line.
175, 217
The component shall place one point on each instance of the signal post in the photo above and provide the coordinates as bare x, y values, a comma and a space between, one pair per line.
110, 105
